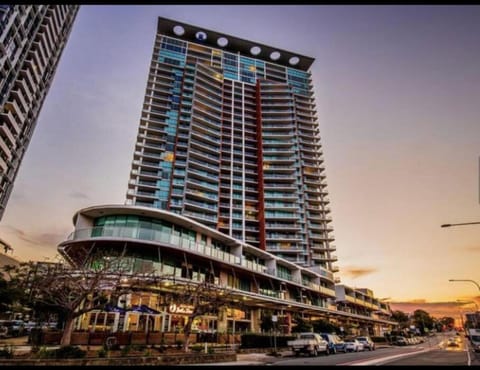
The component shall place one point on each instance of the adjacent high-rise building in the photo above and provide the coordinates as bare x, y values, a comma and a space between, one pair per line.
32, 38
229, 137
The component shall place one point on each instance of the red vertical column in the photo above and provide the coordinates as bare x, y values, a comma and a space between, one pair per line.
261, 198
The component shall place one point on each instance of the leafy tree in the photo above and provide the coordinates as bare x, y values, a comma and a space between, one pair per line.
301, 325
12, 294
56, 287
9, 295
325, 326
400, 317
423, 320
200, 298
100, 283
447, 321
267, 324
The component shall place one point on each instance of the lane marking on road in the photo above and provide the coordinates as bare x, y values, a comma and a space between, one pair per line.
379, 360
469, 360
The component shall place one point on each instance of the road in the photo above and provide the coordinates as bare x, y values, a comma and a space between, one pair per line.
447, 354
435, 351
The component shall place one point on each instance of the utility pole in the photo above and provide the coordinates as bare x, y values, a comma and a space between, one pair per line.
274, 320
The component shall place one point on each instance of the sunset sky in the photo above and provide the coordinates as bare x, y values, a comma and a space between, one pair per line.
398, 102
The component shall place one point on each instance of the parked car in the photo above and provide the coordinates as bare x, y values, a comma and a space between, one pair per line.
367, 342
353, 345
335, 344
30, 325
340, 344
420, 339
400, 341
309, 343
12, 328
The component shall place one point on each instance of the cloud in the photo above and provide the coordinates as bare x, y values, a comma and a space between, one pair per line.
453, 309
415, 301
37, 238
78, 195
356, 272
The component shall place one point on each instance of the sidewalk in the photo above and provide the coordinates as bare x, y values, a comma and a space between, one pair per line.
258, 358
253, 358
250, 359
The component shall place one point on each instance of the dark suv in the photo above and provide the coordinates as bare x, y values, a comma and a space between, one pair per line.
367, 342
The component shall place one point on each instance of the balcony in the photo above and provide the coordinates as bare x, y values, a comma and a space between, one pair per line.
200, 206
327, 291
3, 166
324, 258
10, 118
18, 95
7, 134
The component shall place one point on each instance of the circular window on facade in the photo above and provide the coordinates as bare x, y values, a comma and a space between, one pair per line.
178, 30
201, 36
222, 42
255, 50
294, 60
275, 55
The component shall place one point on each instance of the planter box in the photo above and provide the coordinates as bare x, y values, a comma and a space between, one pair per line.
97, 338
170, 338
79, 338
154, 337
51, 337
138, 338
123, 338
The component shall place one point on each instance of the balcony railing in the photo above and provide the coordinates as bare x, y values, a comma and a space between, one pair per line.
152, 235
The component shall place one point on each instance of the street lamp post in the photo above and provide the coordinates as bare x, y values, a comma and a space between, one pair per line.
471, 281
274, 320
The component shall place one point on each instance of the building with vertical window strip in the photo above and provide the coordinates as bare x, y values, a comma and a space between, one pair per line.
227, 181
229, 137
32, 38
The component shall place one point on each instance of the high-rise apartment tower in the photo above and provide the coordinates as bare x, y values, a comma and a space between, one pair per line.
32, 38
229, 137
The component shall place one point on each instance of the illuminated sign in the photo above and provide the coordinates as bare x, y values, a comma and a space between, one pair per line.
182, 308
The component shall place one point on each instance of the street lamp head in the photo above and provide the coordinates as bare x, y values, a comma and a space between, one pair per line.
463, 223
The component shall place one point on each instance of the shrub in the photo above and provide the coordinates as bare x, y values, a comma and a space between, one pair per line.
43, 352
62, 352
197, 348
139, 347
126, 350
69, 352
6, 352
